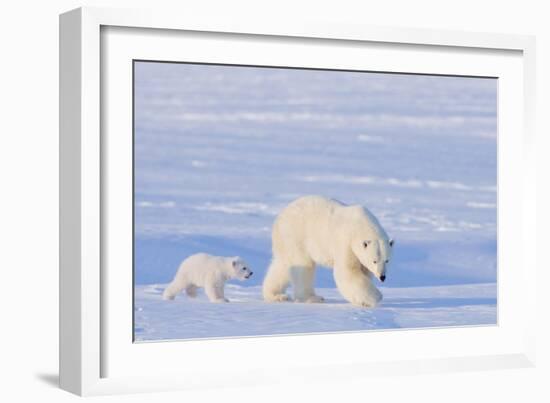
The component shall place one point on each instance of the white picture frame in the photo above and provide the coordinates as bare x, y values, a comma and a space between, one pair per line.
97, 357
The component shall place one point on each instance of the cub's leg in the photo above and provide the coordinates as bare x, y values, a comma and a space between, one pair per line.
215, 293
356, 287
303, 280
174, 288
276, 282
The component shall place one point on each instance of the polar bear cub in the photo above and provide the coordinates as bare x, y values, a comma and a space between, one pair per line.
207, 271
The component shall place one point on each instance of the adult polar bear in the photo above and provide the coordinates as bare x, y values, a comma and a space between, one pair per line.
314, 230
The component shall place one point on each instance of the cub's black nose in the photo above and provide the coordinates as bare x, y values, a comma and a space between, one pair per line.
382, 277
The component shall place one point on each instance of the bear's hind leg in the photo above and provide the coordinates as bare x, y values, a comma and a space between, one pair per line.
276, 282
173, 289
303, 280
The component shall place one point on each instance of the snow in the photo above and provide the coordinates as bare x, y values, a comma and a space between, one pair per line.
219, 151
248, 315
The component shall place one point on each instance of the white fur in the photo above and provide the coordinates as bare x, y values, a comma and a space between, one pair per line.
313, 230
210, 272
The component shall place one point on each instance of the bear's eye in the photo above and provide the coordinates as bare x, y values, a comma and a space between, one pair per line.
244, 268
387, 261
365, 244
375, 262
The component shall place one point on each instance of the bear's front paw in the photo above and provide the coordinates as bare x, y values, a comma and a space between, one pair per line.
366, 304
314, 299
370, 301
278, 298
168, 297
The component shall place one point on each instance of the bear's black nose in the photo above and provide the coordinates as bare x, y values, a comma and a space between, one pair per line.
382, 277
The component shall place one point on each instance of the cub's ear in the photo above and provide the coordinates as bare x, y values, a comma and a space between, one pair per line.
391, 242
236, 261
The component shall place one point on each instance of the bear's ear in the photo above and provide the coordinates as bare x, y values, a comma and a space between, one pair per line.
235, 261
391, 242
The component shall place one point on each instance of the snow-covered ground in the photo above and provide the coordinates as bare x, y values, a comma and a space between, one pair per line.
247, 314
219, 151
